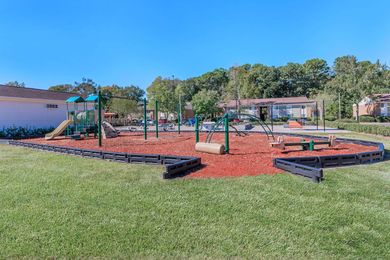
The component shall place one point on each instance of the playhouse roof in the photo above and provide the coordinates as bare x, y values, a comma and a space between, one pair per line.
92, 98
75, 99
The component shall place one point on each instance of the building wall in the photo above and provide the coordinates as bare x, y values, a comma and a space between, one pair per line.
32, 113
291, 111
372, 109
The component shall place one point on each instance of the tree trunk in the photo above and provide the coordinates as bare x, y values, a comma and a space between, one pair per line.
357, 113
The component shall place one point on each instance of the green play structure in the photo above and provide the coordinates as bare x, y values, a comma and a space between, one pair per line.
83, 113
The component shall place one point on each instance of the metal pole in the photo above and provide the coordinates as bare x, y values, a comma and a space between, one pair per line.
196, 129
272, 117
179, 118
145, 125
156, 116
323, 112
317, 114
226, 123
100, 117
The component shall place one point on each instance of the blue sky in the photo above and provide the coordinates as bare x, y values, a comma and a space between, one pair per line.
44, 43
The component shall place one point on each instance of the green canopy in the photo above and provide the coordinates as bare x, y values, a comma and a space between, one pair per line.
75, 99
92, 98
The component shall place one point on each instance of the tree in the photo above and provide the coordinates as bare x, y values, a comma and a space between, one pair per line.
86, 87
122, 100
292, 80
164, 90
355, 80
205, 102
16, 84
62, 88
124, 107
214, 80
264, 82
317, 74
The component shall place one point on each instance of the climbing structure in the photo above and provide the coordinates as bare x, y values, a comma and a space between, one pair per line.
219, 123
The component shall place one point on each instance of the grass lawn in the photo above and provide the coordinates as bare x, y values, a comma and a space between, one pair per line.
58, 205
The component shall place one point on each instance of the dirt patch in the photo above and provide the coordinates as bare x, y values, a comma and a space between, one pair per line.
249, 155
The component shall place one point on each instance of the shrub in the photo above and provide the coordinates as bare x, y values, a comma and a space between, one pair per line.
23, 132
362, 128
367, 118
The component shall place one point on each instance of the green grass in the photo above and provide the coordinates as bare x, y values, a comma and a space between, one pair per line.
58, 205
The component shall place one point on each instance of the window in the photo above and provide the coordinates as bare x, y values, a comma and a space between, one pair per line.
51, 106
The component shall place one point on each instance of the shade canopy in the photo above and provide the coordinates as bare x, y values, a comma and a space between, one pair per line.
92, 98
74, 99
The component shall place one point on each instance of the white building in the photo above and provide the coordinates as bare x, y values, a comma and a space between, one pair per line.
31, 108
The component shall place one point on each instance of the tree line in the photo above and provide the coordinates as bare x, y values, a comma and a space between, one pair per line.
347, 81
341, 85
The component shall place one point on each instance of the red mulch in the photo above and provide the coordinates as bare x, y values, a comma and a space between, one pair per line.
249, 155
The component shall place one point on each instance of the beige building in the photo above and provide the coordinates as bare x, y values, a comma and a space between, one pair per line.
379, 105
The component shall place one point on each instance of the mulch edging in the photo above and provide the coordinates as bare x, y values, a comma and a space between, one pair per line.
178, 166
175, 166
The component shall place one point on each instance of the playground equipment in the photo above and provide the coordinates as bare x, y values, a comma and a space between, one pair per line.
59, 130
214, 148
82, 119
108, 131
306, 145
294, 124
209, 147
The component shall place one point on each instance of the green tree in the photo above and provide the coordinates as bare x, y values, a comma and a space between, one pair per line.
292, 80
355, 80
16, 84
164, 90
205, 102
62, 88
264, 82
86, 87
317, 74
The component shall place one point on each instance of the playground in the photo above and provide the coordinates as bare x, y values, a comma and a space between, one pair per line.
249, 155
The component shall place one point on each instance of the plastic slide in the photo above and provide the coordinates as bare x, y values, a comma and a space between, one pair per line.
59, 130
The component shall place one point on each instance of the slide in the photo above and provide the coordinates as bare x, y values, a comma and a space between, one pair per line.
59, 130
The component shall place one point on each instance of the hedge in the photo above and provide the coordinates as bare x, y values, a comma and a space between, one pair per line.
23, 132
361, 128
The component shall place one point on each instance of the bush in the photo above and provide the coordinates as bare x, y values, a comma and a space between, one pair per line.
23, 132
362, 128
367, 118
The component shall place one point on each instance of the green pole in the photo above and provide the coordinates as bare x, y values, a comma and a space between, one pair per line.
317, 114
226, 123
156, 116
100, 117
145, 125
178, 118
272, 117
311, 145
323, 113
196, 129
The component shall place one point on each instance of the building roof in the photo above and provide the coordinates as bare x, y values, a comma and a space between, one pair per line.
266, 101
382, 97
11, 91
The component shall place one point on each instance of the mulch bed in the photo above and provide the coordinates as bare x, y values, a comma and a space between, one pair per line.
250, 155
